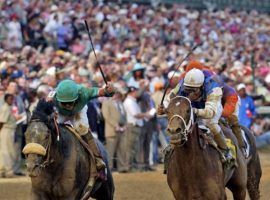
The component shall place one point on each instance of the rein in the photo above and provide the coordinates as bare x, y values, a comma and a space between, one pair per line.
48, 148
56, 126
183, 135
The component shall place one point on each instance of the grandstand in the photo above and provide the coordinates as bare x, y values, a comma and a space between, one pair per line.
259, 5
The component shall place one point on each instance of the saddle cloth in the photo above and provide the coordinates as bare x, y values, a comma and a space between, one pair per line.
247, 144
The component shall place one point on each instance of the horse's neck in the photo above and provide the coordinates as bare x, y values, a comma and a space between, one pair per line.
195, 156
193, 141
191, 150
60, 151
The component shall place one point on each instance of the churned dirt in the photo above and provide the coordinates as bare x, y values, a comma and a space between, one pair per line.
132, 186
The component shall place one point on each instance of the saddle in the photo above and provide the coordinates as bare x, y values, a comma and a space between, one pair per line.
207, 138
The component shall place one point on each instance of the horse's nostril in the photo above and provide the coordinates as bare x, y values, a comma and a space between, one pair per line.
178, 130
168, 130
32, 165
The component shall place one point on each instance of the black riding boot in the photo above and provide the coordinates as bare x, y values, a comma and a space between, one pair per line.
93, 146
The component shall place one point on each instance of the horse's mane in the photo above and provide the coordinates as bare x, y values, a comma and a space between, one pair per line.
43, 111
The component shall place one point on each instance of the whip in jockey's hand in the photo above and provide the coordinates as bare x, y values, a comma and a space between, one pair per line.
107, 91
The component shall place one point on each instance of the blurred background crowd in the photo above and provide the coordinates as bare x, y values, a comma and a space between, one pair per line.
138, 47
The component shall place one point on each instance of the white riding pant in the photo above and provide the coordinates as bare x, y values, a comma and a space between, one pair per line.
79, 121
212, 124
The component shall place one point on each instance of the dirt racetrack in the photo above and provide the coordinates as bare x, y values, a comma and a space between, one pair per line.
133, 186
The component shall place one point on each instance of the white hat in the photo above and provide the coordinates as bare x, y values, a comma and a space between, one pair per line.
194, 78
240, 86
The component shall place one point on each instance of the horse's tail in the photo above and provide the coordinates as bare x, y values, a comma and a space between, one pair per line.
254, 170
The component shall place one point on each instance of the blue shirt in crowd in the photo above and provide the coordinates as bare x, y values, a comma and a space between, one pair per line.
246, 111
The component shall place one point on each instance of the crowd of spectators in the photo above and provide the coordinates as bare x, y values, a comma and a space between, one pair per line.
43, 42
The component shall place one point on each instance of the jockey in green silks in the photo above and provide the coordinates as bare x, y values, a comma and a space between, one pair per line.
71, 101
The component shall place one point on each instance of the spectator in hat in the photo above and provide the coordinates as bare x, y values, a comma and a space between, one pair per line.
137, 75
247, 108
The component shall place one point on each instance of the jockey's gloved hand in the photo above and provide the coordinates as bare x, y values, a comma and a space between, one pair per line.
109, 90
160, 110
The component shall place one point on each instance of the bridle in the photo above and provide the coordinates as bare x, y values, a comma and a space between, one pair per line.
183, 135
35, 148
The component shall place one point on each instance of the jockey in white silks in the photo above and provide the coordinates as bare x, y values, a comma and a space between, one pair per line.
205, 95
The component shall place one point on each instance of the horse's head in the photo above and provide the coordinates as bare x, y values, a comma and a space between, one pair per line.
38, 138
180, 117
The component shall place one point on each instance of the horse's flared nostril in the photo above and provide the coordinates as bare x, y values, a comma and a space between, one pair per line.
178, 130
32, 166
168, 130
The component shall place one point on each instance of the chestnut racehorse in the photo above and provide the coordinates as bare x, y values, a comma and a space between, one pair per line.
195, 170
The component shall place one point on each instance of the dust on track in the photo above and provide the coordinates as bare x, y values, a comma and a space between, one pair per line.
131, 186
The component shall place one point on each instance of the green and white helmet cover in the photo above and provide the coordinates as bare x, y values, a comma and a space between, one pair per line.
67, 91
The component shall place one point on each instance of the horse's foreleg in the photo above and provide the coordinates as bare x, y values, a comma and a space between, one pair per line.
238, 194
237, 185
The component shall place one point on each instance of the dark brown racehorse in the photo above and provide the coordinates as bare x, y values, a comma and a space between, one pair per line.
195, 171
58, 170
